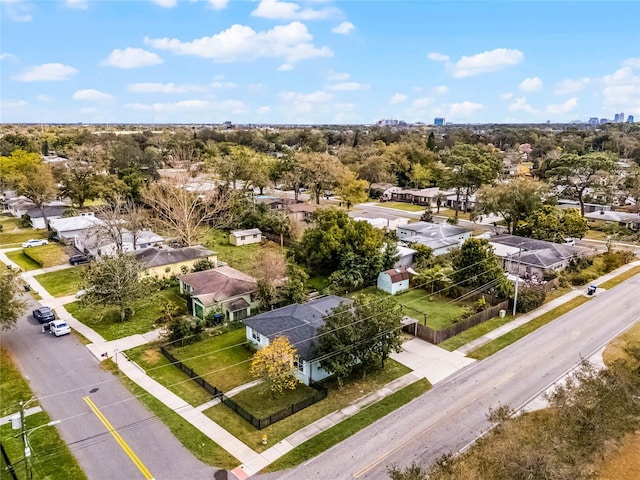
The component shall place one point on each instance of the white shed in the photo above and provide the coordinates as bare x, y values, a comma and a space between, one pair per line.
394, 281
245, 237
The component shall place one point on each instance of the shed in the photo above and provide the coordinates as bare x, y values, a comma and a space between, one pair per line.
245, 237
394, 281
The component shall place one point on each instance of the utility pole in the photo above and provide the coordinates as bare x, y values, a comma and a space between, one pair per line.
26, 450
515, 297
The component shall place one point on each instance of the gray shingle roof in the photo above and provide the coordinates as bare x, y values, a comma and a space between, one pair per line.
298, 322
156, 257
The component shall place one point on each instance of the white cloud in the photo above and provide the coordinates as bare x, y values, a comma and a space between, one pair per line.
398, 98
345, 28
562, 108
277, 10
306, 102
226, 106
166, 3
286, 67
240, 43
153, 87
438, 57
79, 4
88, 110
218, 4
489, 61
422, 103
633, 62
13, 104
571, 86
263, 110
622, 89
418, 89
533, 84
441, 90
463, 110
47, 72
16, 10
220, 84
255, 87
344, 107
336, 76
91, 95
506, 96
131, 58
7, 56
521, 104
348, 87
45, 98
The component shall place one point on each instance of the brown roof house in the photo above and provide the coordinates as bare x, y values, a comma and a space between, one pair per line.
222, 290
393, 281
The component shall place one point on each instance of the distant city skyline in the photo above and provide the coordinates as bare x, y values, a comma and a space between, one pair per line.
318, 62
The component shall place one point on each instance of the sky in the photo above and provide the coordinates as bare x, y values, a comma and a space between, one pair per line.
317, 62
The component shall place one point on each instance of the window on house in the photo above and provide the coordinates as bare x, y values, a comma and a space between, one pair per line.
255, 236
299, 364
242, 238
255, 335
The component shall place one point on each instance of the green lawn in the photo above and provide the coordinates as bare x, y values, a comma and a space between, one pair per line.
158, 367
319, 283
593, 234
106, 321
201, 446
467, 336
44, 442
50, 255
243, 258
261, 403
353, 389
62, 282
441, 311
17, 236
620, 278
327, 439
449, 213
407, 207
223, 360
523, 330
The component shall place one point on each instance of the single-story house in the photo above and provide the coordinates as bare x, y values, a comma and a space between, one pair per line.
379, 220
245, 237
299, 323
163, 261
439, 237
302, 212
624, 219
52, 211
274, 203
588, 207
94, 242
393, 281
537, 257
405, 257
67, 228
417, 196
223, 290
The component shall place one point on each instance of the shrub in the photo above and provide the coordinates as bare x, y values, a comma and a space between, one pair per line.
202, 264
616, 259
481, 305
34, 256
25, 221
183, 327
583, 278
530, 298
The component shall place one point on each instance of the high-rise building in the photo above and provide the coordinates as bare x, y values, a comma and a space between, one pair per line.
616, 118
621, 117
604, 120
630, 119
439, 122
593, 121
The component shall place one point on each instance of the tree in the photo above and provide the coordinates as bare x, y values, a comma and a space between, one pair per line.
351, 190
575, 174
631, 185
115, 282
183, 211
431, 142
294, 290
322, 172
11, 305
270, 271
83, 176
363, 333
554, 224
515, 201
276, 366
475, 264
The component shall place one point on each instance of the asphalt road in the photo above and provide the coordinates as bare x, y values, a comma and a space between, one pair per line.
453, 413
61, 372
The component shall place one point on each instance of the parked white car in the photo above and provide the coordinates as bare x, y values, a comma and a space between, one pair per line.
35, 242
57, 327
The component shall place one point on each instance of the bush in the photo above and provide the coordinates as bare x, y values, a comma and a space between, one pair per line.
25, 221
577, 264
616, 259
202, 264
33, 255
583, 278
183, 327
530, 299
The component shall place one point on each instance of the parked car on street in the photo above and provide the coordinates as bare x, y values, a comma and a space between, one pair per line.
44, 314
57, 327
35, 242
78, 259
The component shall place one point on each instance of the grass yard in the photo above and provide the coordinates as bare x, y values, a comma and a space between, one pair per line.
16, 236
243, 258
618, 279
348, 427
261, 403
449, 213
201, 446
62, 282
13, 389
407, 207
158, 367
623, 462
318, 283
50, 256
223, 360
106, 321
616, 349
524, 330
593, 234
441, 311
353, 389
467, 336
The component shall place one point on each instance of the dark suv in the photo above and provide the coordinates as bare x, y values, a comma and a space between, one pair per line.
78, 259
44, 315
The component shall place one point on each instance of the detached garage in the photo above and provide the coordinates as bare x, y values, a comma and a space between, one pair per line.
245, 237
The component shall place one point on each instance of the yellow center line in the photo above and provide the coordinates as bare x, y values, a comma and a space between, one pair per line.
127, 449
383, 457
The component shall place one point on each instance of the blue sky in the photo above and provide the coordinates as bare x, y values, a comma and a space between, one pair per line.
272, 61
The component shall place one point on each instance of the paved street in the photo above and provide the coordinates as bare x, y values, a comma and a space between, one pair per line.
453, 413
62, 372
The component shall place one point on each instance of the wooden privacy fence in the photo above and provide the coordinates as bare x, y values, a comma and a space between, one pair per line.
319, 393
439, 336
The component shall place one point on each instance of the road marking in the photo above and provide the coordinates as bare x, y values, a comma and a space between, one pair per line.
382, 458
127, 449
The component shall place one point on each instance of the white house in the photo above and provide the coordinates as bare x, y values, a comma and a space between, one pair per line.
393, 281
94, 242
67, 228
439, 237
245, 237
299, 323
379, 220
405, 257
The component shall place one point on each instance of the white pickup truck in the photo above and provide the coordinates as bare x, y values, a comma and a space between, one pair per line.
57, 327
